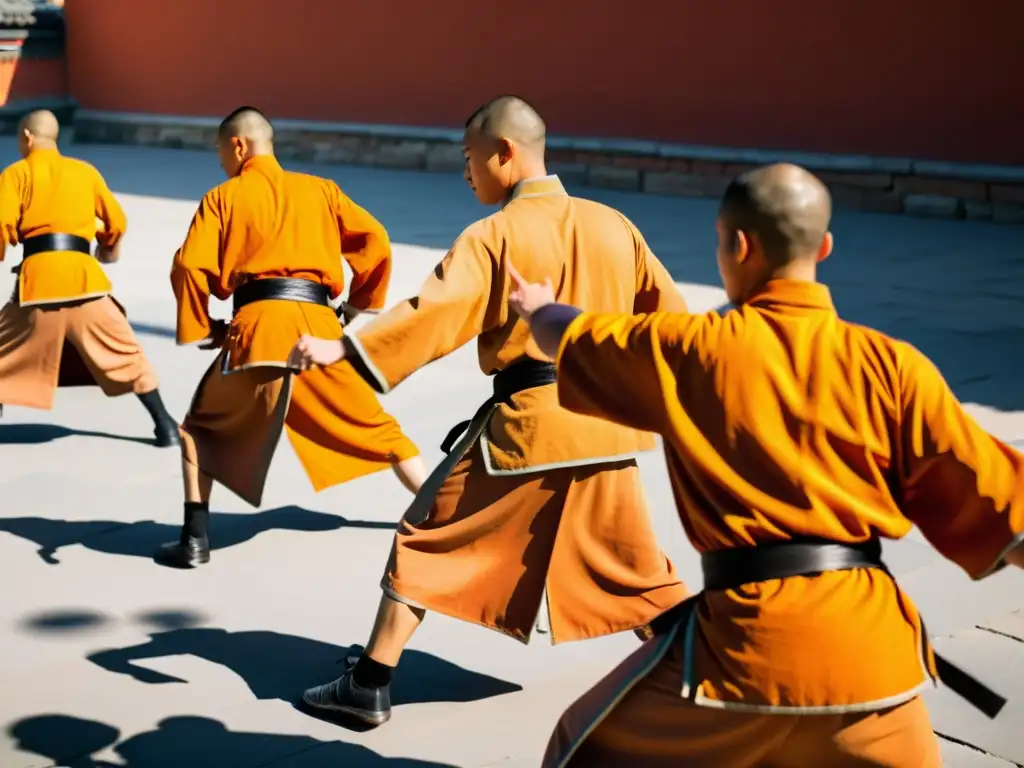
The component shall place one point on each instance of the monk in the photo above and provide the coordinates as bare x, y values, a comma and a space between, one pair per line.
795, 442
62, 326
530, 494
273, 241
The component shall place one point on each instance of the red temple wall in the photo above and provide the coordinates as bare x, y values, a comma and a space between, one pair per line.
942, 82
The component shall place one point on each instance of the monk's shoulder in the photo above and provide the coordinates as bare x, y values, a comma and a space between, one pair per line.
17, 170
488, 233
224, 194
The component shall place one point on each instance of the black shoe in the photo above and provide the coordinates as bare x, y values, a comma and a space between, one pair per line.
189, 552
166, 435
371, 706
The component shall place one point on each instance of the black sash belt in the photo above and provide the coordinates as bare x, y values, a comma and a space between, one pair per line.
731, 568
517, 377
55, 241
283, 289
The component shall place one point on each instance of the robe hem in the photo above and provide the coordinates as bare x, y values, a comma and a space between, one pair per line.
828, 709
67, 300
523, 638
494, 471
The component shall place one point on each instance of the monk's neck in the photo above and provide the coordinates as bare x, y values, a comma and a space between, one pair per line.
531, 173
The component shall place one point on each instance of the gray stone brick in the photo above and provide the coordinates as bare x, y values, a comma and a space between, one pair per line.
933, 206
684, 184
402, 154
977, 210
443, 156
1008, 213
611, 177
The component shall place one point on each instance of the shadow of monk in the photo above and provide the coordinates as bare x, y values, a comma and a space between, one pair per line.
195, 742
280, 666
140, 539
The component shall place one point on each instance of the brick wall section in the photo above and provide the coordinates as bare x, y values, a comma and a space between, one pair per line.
881, 185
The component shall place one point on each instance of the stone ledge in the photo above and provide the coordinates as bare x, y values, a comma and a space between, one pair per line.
883, 185
64, 108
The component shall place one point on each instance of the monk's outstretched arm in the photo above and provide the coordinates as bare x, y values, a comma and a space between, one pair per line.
366, 247
119, 661
622, 368
462, 298
196, 271
962, 487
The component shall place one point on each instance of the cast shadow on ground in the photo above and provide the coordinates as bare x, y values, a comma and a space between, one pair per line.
190, 742
142, 538
34, 434
148, 329
279, 666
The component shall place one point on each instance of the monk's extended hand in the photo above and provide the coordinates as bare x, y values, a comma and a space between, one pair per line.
309, 351
526, 298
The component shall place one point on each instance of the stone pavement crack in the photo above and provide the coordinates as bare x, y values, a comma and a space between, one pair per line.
976, 748
1007, 635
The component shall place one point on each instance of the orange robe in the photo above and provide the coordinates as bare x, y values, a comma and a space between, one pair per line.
62, 326
780, 421
532, 496
264, 223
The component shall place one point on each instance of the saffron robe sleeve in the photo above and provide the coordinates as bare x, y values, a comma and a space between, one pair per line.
195, 273
962, 487
11, 185
462, 298
624, 368
366, 247
110, 212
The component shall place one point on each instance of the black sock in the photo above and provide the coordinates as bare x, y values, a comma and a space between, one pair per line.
154, 404
371, 674
197, 519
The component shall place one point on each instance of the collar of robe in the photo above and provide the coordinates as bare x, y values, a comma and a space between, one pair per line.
793, 294
260, 161
541, 186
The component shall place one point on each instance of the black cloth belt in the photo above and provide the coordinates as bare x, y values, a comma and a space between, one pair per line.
516, 378
732, 568
55, 241
281, 289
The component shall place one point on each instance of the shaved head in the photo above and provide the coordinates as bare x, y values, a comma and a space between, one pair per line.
246, 123
42, 124
785, 206
511, 118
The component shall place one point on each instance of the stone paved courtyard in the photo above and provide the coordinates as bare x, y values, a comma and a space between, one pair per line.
110, 660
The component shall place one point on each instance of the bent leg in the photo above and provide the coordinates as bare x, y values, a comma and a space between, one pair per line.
31, 342
100, 332
340, 431
232, 428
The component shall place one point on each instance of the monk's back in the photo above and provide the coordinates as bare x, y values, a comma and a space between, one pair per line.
803, 410
58, 194
586, 248
279, 224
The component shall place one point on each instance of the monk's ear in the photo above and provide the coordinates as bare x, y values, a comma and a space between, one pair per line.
239, 146
740, 246
826, 247
505, 151
29, 138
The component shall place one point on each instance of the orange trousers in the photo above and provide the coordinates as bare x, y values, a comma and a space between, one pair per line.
74, 343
